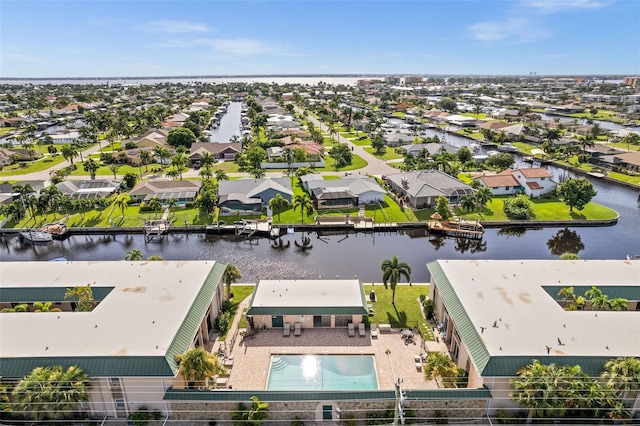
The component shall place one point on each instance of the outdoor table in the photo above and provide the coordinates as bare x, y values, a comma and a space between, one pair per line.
407, 334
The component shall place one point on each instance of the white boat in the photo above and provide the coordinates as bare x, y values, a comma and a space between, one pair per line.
507, 147
36, 236
492, 153
479, 157
474, 147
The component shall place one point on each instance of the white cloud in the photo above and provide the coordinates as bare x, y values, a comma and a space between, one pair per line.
513, 30
557, 6
167, 26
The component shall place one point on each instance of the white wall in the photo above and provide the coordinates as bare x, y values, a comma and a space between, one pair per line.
145, 391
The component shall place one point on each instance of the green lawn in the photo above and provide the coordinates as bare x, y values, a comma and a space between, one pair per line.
362, 140
623, 146
132, 217
544, 209
350, 135
407, 312
390, 212
227, 167
32, 166
480, 116
390, 154
603, 115
357, 162
471, 134
624, 178
5, 130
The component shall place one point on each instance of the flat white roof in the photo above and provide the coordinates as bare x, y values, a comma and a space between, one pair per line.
307, 293
510, 294
139, 317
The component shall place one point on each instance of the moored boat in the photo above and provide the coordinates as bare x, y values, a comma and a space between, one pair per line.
36, 236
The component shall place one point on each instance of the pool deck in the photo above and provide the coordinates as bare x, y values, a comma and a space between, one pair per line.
252, 356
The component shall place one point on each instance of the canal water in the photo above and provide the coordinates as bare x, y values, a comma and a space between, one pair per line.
229, 124
358, 254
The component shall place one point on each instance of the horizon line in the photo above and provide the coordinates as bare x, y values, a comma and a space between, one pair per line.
363, 75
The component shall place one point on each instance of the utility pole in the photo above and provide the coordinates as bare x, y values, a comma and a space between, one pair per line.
398, 413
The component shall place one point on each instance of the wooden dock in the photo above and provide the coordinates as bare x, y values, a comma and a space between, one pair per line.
157, 228
463, 229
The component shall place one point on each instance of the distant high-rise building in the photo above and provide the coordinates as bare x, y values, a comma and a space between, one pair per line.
631, 81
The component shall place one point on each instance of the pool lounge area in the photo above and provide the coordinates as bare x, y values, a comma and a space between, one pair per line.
322, 372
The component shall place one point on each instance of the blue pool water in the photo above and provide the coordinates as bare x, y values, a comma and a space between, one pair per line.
322, 372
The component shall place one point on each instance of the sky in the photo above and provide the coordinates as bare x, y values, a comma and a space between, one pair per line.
40, 39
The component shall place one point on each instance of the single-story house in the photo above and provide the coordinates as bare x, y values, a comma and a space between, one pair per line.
494, 126
311, 303
183, 191
627, 160
397, 139
422, 188
343, 193
497, 316
598, 151
151, 139
251, 195
432, 148
146, 314
88, 189
461, 120
534, 181
220, 151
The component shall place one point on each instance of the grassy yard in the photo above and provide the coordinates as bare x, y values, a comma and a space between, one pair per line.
623, 146
350, 135
601, 115
132, 217
407, 312
390, 212
471, 134
624, 178
32, 166
361, 141
357, 162
480, 116
5, 130
544, 209
390, 154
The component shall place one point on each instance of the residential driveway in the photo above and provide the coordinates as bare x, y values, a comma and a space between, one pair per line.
375, 167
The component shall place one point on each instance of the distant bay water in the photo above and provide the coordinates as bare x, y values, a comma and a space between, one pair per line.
308, 80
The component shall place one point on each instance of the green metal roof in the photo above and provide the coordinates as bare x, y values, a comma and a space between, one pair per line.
468, 334
509, 365
122, 366
45, 294
273, 396
612, 291
115, 366
194, 317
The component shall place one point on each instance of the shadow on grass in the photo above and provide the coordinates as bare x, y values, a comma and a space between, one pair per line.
399, 320
577, 216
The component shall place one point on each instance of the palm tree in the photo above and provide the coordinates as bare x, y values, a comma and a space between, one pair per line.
145, 158
91, 166
122, 202
114, 169
483, 196
155, 203
51, 392
69, 152
467, 203
439, 366
180, 161
631, 139
163, 154
231, 274
278, 204
257, 413
306, 205
207, 159
392, 271
197, 366
221, 175
535, 387
134, 254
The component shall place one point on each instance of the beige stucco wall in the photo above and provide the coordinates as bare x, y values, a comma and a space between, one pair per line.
311, 411
145, 391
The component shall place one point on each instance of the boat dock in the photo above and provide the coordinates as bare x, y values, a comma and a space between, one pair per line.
458, 229
157, 228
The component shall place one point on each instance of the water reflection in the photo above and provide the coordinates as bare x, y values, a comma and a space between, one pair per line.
565, 241
464, 245
512, 232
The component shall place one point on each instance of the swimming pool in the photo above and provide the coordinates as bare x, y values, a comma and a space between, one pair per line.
322, 372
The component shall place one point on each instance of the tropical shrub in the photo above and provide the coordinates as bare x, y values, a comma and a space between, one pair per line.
429, 308
518, 207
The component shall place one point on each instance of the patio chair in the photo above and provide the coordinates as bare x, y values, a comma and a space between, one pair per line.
374, 330
297, 329
352, 330
361, 329
287, 329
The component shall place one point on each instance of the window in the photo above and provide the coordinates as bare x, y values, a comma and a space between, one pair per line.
114, 381
507, 187
119, 403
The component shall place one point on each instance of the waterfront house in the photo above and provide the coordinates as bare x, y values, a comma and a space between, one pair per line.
397, 138
222, 151
183, 191
526, 320
432, 148
494, 126
533, 181
626, 160
346, 192
311, 303
88, 189
422, 188
146, 314
250, 196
